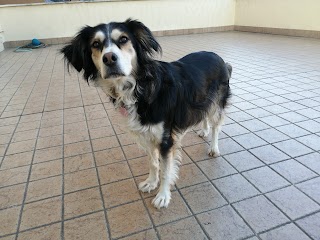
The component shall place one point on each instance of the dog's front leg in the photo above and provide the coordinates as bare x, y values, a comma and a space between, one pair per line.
169, 173
153, 179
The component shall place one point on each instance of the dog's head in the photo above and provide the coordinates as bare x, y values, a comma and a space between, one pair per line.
111, 50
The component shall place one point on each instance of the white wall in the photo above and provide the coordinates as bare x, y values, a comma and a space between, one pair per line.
288, 14
64, 20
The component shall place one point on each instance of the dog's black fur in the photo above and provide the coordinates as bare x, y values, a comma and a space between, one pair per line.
179, 93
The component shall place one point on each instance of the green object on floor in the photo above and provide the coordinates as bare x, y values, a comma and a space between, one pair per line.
29, 47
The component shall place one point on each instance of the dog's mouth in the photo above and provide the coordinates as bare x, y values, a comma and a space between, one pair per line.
114, 75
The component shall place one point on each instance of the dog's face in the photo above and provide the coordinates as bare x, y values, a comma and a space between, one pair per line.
111, 51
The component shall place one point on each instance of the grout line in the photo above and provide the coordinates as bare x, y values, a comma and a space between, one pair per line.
135, 180
8, 144
96, 170
30, 168
62, 161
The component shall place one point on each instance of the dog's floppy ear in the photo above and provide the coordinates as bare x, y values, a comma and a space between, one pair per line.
78, 53
144, 36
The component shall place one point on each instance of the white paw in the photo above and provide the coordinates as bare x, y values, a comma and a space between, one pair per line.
162, 199
214, 153
148, 185
203, 133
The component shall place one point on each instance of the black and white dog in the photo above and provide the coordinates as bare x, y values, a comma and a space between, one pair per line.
160, 101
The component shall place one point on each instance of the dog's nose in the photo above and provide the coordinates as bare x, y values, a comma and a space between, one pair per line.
109, 58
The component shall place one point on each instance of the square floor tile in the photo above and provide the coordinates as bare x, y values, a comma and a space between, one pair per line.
14, 176
274, 121
287, 232
293, 106
271, 135
17, 160
310, 125
292, 130
312, 141
228, 145
23, 146
44, 188
258, 112
104, 143
311, 225
41, 212
133, 151
293, 171
114, 172
109, 156
249, 140
224, 223
51, 141
82, 202
177, 210
311, 188
181, 230
243, 161
9, 220
254, 125
276, 109
234, 129
293, 202
292, 117
46, 169
139, 166
309, 113
133, 214
260, 213
265, 179
77, 148
312, 161
216, 168
240, 116
91, 226
197, 152
244, 105
191, 138
48, 232
47, 154
120, 192
80, 180
203, 197
78, 162
293, 148
235, 188
269, 154
11, 196
189, 175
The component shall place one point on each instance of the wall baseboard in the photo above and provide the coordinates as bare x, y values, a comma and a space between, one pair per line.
63, 40
279, 31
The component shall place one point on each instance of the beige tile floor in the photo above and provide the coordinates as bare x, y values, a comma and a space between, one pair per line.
69, 171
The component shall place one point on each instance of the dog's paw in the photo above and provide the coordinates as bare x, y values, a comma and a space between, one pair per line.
214, 153
162, 199
148, 185
203, 134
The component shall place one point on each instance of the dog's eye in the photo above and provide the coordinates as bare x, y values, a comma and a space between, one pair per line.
123, 40
96, 44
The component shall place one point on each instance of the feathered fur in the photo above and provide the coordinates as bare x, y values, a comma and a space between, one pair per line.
162, 100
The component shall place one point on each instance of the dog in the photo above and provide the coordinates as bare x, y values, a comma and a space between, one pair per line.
160, 101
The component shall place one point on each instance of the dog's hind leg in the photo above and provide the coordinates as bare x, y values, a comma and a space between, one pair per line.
204, 132
169, 166
153, 179
217, 120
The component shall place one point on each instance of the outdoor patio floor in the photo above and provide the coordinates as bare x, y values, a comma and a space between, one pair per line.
69, 171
